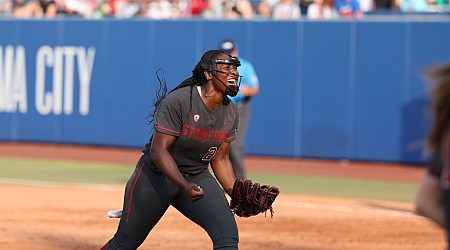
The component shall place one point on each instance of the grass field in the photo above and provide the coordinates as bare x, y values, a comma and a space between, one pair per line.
70, 172
62, 203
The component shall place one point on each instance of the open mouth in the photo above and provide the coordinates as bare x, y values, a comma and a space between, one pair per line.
231, 81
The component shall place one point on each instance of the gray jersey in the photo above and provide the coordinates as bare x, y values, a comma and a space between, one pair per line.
200, 132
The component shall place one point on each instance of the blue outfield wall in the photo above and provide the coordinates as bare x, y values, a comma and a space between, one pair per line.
329, 89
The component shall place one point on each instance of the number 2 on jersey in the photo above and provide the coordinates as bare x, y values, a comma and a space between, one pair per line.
210, 154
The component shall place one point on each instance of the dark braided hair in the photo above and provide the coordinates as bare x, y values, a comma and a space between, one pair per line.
197, 78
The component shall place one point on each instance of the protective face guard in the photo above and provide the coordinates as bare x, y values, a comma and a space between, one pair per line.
232, 61
230, 90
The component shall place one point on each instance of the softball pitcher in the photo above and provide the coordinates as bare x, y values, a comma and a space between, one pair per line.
193, 127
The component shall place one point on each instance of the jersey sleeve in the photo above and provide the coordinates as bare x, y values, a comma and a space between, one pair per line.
168, 116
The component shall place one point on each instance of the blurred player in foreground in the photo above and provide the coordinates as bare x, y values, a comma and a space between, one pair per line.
433, 198
193, 127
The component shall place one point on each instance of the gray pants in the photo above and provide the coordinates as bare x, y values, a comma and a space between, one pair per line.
237, 150
149, 194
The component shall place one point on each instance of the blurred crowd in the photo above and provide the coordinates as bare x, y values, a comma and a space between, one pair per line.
214, 9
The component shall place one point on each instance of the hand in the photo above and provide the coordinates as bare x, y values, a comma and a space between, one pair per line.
194, 192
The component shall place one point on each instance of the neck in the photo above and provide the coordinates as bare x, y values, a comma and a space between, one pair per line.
211, 97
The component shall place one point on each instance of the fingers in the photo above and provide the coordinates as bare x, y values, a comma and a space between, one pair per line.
195, 192
198, 193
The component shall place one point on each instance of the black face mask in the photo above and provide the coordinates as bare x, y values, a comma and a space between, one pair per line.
231, 90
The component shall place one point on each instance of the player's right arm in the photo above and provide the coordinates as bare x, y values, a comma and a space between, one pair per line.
159, 150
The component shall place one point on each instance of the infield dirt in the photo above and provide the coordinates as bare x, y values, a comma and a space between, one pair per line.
43, 217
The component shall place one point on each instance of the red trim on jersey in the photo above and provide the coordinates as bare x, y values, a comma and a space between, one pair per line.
166, 129
231, 137
132, 189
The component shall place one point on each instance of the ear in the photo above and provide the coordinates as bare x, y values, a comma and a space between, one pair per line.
208, 74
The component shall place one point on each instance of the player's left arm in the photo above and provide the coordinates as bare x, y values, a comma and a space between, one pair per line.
222, 168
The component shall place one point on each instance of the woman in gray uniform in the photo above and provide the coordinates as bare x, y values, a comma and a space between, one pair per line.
193, 127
